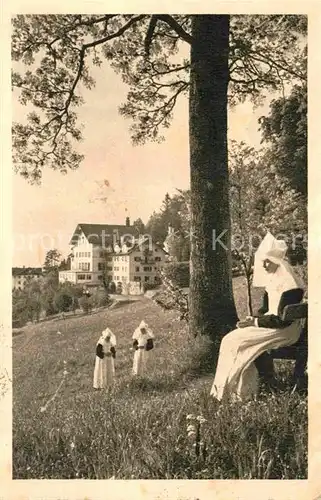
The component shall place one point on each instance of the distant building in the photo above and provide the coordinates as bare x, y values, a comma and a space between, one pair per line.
117, 252
23, 275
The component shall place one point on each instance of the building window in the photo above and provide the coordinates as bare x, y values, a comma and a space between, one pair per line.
146, 278
81, 276
137, 269
158, 259
109, 259
101, 254
84, 266
137, 259
101, 266
137, 278
88, 276
146, 269
109, 268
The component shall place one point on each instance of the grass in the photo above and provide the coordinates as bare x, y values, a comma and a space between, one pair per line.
139, 429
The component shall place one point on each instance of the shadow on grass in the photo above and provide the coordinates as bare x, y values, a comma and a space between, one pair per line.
204, 360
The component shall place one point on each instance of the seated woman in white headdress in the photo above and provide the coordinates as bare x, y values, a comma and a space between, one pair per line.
143, 343
104, 371
236, 372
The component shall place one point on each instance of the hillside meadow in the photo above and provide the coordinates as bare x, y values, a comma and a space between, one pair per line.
164, 426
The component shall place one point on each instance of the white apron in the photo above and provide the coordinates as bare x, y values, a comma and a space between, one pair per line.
236, 374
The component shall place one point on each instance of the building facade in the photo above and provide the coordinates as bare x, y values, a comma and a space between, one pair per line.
116, 254
23, 275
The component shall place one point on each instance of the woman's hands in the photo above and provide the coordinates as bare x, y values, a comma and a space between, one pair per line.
249, 321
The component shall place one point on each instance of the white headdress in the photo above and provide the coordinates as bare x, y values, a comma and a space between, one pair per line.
284, 278
107, 336
138, 332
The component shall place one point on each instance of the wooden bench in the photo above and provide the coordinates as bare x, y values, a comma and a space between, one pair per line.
298, 351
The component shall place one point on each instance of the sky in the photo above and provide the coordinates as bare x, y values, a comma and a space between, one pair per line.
44, 217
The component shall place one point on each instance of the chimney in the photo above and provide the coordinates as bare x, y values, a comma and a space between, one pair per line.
127, 221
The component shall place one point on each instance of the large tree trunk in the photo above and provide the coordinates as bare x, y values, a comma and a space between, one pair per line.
212, 308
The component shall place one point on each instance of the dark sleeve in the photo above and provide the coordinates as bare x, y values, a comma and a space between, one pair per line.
149, 344
100, 351
113, 351
135, 344
289, 297
265, 304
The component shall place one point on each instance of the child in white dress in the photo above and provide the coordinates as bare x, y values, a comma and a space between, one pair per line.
143, 343
104, 371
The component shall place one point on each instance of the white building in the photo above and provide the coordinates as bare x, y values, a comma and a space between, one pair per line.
23, 275
115, 252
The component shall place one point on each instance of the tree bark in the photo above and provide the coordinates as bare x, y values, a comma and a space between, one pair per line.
212, 308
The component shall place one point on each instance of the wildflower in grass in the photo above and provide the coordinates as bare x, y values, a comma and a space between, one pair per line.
201, 419
72, 445
189, 417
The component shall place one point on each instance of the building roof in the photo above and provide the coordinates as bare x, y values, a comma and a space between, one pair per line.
26, 271
103, 235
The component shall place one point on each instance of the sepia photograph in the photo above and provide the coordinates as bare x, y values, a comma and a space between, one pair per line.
160, 246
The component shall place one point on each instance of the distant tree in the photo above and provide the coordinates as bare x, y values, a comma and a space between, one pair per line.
284, 131
52, 263
261, 200
139, 225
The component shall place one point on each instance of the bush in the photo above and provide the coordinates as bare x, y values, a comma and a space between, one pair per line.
112, 287
178, 273
49, 305
85, 304
63, 301
100, 298
19, 312
172, 297
150, 286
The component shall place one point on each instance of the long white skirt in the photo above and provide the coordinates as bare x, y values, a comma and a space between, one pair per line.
236, 374
141, 362
104, 372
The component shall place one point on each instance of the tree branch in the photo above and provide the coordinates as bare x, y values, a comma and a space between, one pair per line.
150, 33
121, 30
176, 27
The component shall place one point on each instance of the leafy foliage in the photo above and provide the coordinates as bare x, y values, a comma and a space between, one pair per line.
262, 200
147, 51
172, 297
86, 304
63, 301
284, 130
178, 273
173, 213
